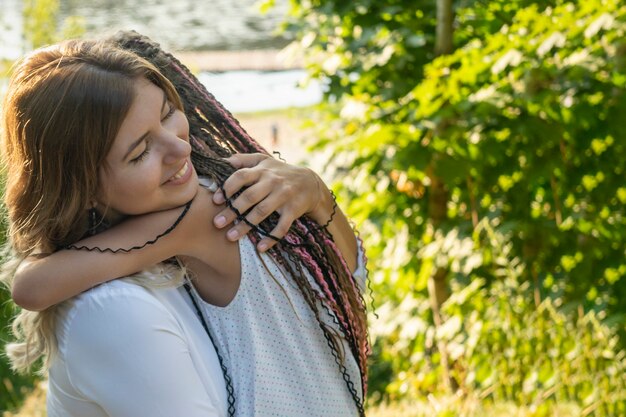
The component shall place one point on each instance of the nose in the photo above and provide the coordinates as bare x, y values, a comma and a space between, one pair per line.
175, 139
175, 148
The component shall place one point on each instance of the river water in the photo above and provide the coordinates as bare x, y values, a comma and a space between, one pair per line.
186, 24
176, 24
189, 25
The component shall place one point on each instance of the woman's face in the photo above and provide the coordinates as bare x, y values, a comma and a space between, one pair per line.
149, 167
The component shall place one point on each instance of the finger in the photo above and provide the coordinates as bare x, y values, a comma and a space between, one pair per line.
249, 197
266, 244
224, 218
264, 208
241, 178
259, 212
237, 232
278, 232
246, 160
218, 197
240, 205
253, 196
282, 227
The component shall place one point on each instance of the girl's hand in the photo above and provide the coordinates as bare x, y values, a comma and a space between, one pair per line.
273, 186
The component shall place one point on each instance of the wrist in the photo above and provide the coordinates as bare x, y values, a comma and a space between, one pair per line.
324, 207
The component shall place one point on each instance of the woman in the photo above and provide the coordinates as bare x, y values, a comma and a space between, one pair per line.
112, 144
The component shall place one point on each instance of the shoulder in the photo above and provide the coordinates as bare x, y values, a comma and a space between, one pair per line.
127, 351
112, 310
118, 294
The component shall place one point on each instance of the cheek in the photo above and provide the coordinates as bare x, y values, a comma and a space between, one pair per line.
133, 189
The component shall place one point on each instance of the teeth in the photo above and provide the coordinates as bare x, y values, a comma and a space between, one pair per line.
180, 173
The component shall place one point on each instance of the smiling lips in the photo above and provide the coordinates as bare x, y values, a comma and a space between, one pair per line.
182, 175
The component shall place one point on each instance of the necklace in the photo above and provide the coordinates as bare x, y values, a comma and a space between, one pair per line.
126, 250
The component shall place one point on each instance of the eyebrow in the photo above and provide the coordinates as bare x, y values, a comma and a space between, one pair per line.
143, 137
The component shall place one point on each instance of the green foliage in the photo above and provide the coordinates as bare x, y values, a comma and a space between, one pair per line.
13, 387
522, 125
530, 119
504, 348
465, 407
41, 23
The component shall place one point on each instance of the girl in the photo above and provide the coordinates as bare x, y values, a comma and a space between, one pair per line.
288, 325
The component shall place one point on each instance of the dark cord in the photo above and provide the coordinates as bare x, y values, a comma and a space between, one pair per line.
325, 226
278, 155
126, 250
229, 382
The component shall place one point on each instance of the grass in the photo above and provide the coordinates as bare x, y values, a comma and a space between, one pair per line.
468, 407
35, 406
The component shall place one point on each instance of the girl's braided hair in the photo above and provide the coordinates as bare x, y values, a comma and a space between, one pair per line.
216, 134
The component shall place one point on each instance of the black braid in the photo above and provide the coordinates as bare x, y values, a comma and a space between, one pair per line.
319, 249
332, 342
346, 331
229, 382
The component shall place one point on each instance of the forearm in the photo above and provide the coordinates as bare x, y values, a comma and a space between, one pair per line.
327, 212
42, 282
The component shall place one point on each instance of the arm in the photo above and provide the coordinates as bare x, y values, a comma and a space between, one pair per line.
128, 354
290, 191
42, 282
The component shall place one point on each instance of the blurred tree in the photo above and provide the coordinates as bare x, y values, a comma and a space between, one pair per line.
40, 21
42, 26
518, 126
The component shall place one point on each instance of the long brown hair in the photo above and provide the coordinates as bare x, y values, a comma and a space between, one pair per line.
61, 113
62, 110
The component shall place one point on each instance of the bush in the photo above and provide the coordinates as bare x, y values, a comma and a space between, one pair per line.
13, 387
503, 347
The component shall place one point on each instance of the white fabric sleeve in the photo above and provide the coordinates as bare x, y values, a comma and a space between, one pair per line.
360, 273
128, 354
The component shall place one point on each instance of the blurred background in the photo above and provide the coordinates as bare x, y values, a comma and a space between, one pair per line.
478, 145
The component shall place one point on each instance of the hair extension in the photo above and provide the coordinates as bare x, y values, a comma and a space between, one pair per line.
216, 134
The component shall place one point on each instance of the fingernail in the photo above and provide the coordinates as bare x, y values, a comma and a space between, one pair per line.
220, 221
262, 247
232, 234
218, 197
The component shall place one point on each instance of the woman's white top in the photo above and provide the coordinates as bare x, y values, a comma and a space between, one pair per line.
274, 349
128, 351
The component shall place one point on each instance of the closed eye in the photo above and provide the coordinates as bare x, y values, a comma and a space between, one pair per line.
170, 112
143, 154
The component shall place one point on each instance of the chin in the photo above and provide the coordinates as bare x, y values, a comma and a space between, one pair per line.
190, 192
